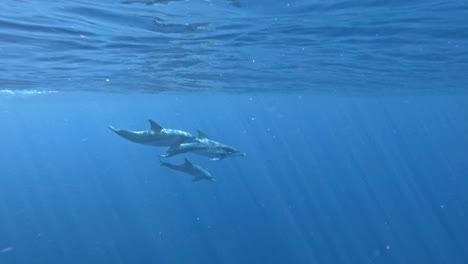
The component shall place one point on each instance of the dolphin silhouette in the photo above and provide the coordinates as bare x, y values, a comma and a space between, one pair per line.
188, 167
155, 136
205, 147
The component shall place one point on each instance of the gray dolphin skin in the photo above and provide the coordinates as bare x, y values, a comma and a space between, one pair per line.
188, 167
205, 147
155, 136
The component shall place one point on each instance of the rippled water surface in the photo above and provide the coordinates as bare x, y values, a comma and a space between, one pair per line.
234, 46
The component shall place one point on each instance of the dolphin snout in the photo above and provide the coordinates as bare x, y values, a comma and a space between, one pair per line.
113, 129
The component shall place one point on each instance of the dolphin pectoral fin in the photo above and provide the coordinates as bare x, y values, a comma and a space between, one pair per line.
173, 147
202, 135
164, 164
171, 151
155, 126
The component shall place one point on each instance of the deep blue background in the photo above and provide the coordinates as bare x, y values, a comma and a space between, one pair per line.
327, 179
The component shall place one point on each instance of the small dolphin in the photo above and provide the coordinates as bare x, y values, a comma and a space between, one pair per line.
188, 167
155, 136
205, 147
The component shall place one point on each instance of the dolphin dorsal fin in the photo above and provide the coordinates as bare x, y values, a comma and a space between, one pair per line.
201, 134
155, 126
187, 162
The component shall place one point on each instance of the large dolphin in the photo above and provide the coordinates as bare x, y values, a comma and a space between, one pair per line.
188, 167
155, 136
205, 147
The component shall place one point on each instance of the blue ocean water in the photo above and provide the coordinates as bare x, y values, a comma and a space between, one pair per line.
353, 116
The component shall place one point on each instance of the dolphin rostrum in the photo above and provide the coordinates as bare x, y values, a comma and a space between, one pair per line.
188, 167
155, 136
205, 147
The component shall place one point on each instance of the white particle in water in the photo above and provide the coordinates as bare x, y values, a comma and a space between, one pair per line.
107, 80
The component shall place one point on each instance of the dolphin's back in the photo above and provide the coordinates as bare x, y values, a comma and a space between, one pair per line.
173, 166
196, 171
162, 137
